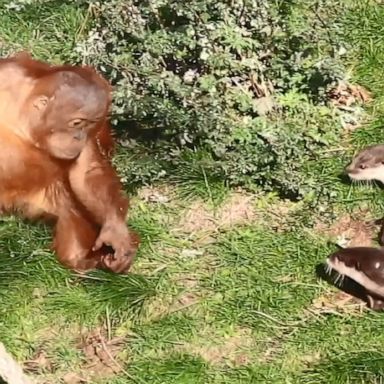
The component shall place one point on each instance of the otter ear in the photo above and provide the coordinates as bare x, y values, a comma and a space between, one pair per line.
41, 102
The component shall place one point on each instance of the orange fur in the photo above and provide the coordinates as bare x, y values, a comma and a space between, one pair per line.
80, 193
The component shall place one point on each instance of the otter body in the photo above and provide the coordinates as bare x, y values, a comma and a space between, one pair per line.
364, 265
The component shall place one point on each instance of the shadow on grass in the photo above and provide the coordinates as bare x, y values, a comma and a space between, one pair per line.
175, 369
71, 295
347, 285
360, 367
27, 264
94, 294
344, 178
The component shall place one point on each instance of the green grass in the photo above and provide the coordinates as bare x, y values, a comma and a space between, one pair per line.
33, 26
223, 304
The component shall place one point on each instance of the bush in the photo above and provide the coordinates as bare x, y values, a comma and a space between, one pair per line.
242, 82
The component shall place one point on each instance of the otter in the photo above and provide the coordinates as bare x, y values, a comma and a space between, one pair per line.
368, 164
365, 266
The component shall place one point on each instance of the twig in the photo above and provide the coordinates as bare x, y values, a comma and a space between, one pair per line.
116, 363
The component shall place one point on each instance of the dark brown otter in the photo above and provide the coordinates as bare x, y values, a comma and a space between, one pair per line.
368, 165
364, 265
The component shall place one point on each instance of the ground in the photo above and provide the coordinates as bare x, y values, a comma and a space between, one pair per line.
225, 288
216, 295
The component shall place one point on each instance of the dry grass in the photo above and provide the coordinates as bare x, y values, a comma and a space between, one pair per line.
357, 229
235, 349
237, 209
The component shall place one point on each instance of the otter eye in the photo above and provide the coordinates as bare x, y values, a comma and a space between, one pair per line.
362, 166
76, 123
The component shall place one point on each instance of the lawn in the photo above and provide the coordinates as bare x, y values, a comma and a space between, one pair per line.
224, 288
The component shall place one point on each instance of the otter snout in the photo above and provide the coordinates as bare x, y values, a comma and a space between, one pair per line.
332, 260
351, 170
336, 257
341, 259
332, 263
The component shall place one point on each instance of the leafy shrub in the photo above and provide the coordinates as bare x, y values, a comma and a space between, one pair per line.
242, 81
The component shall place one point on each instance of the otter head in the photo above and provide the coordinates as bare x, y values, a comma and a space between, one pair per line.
364, 265
368, 164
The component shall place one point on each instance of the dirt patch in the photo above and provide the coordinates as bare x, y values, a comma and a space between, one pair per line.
185, 300
278, 215
351, 231
337, 302
40, 363
158, 194
346, 94
310, 359
198, 217
188, 282
236, 210
348, 99
100, 358
273, 348
234, 350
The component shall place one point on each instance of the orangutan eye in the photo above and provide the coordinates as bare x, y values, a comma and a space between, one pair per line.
76, 123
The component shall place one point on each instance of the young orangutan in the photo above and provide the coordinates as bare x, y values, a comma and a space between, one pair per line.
55, 161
